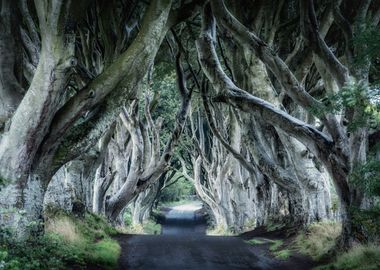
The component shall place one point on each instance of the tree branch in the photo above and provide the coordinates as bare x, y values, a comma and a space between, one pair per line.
310, 31
239, 98
278, 67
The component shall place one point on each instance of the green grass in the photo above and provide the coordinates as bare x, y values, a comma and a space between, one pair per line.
255, 242
274, 247
283, 254
90, 236
318, 239
104, 253
275, 244
148, 227
219, 230
69, 243
358, 258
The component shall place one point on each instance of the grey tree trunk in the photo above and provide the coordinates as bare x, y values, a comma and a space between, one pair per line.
41, 135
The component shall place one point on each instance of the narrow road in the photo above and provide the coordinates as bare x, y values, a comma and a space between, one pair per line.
188, 249
171, 252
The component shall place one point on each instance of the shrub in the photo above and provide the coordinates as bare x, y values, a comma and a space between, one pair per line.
46, 252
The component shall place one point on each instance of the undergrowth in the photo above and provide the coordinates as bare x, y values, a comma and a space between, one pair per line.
68, 243
219, 230
358, 258
318, 239
150, 226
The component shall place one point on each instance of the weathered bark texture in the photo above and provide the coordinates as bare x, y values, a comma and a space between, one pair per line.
335, 148
55, 122
141, 206
266, 144
139, 160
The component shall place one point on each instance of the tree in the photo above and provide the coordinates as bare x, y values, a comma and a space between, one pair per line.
336, 148
43, 129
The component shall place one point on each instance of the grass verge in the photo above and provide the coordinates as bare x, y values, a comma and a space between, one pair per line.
358, 258
148, 227
274, 247
68, 243
318, 239
219, 231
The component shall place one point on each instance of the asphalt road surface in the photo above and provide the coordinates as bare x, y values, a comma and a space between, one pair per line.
184, 246
171, 252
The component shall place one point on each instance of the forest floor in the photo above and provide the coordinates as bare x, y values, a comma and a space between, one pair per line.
191, 249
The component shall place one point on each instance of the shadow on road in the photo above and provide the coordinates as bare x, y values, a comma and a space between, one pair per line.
183, 245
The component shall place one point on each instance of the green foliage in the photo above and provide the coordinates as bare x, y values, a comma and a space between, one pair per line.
318, 239
105, 253
360, 97
164, 82
45, 252
128, 217
358, 258
178, 191
366, 177
151, 227
69, 243
368, 220
367, 43
95, 227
